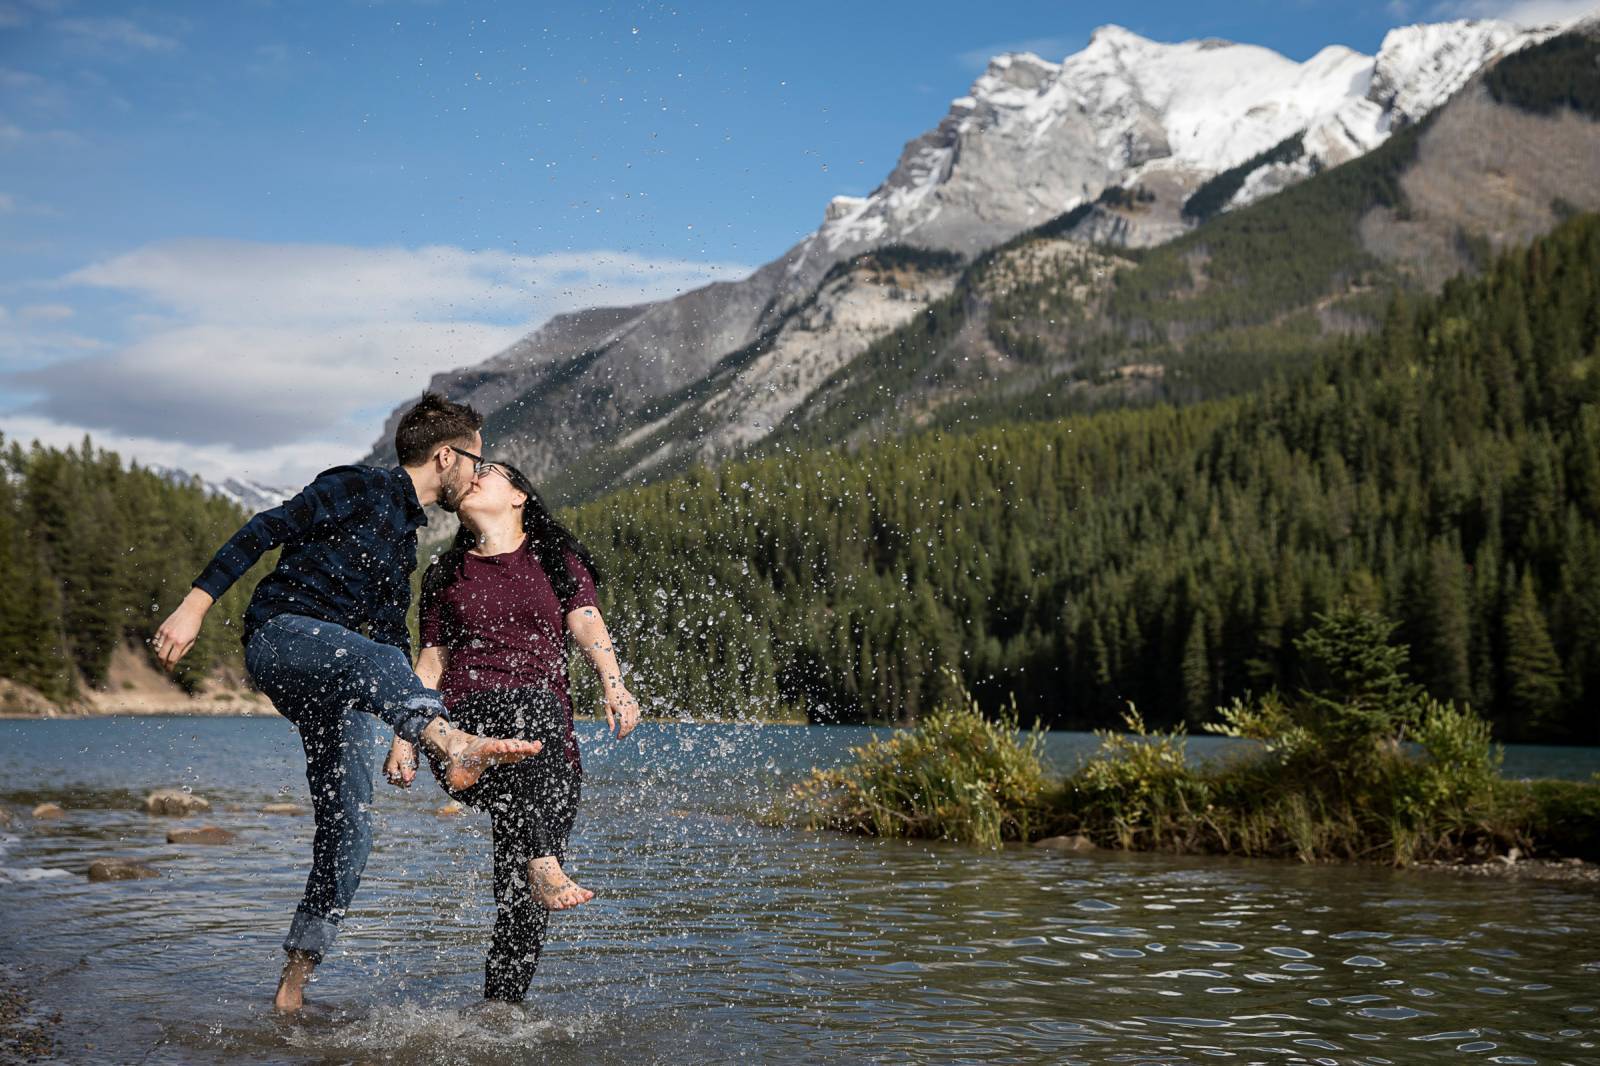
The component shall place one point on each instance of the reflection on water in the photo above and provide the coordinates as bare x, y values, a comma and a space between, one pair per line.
715, 939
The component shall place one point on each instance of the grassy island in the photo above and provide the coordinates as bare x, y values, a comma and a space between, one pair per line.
1358, 765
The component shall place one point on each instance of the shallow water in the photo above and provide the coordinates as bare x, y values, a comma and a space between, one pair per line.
716, 940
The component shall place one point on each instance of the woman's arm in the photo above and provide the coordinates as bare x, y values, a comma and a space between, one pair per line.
589, 630
430, 665
400, 768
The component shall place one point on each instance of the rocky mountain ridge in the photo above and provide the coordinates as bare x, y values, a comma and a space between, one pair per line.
1031, 141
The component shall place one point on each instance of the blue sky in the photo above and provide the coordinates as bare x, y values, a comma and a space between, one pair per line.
233, 235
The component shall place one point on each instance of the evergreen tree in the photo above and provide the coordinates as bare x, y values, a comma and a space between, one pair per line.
1533, 672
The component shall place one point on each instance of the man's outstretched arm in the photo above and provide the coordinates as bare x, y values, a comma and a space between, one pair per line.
332, 494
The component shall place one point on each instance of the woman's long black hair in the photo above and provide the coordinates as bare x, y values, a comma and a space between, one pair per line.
548, 539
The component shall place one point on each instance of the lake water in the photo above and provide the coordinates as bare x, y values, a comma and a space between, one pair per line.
715, 939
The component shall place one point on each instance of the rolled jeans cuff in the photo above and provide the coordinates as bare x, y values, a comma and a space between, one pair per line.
311, 934
416, 715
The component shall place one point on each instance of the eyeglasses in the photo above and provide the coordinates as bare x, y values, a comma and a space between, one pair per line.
494, 468
479, 463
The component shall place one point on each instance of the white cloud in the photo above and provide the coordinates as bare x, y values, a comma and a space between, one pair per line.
12, 135
29, 338
246, 282
115, 34
45, 312
1521, 12
293, 353
285, 465
255, 386
12, 78
13, 15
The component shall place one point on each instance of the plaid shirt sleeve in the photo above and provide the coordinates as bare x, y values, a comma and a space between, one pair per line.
430, 621
389, 627
333, 496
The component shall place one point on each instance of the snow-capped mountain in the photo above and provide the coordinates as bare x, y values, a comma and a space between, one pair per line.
1030, 141
1034, 138
251, 495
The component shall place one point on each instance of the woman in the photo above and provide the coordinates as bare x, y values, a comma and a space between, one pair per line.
495, 612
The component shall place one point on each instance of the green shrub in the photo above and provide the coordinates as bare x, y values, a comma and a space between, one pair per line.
1333, 777
955, 776
1560, 817
1138, 789
1363, 766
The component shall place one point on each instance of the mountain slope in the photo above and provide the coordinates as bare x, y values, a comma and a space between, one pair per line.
1445, 471
1032, 140
246, 493
1226, 304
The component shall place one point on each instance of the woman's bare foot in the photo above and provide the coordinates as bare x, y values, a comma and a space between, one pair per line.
292, 985
555, 889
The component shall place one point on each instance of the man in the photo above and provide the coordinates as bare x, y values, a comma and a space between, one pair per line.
325, 638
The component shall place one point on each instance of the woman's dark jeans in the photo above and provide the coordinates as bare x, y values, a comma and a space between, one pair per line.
330, 682
531, 807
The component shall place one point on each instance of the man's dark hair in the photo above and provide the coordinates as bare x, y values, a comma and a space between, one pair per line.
433, 421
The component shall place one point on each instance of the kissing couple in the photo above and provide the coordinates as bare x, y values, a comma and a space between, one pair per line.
487, 703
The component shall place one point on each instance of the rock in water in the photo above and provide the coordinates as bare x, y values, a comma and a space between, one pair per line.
175, 802
120, 870
283, 808
206, 834
48, 810
1072, 843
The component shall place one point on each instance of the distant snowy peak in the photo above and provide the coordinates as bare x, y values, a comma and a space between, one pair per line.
1420, 67
1035, 138
251, 495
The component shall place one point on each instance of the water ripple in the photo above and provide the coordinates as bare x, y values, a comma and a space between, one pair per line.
715, 939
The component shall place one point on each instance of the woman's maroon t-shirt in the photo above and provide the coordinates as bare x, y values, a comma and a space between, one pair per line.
503, 626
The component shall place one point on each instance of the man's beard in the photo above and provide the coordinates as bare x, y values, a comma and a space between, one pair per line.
450, 496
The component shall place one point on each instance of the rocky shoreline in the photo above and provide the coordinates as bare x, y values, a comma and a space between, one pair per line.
137, 699
1520, 870
199, 707
180, 804
27, 1031
1509, 867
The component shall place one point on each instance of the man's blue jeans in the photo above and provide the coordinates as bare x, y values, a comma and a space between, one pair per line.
330, 681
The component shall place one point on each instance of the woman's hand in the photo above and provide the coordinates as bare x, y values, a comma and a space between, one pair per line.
588, 629
400, 768
622, 711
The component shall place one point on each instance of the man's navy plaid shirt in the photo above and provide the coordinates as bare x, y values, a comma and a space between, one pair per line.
349, 546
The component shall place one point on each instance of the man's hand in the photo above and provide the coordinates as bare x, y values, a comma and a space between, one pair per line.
400, 768
177, 634
622, 711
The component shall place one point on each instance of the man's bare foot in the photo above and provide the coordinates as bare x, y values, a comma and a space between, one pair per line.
555, 889
292, 985
466, 763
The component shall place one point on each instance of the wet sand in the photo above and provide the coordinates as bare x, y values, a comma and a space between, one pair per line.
27, 1032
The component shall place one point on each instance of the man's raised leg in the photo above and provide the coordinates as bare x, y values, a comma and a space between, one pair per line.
331, 681
380, 677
